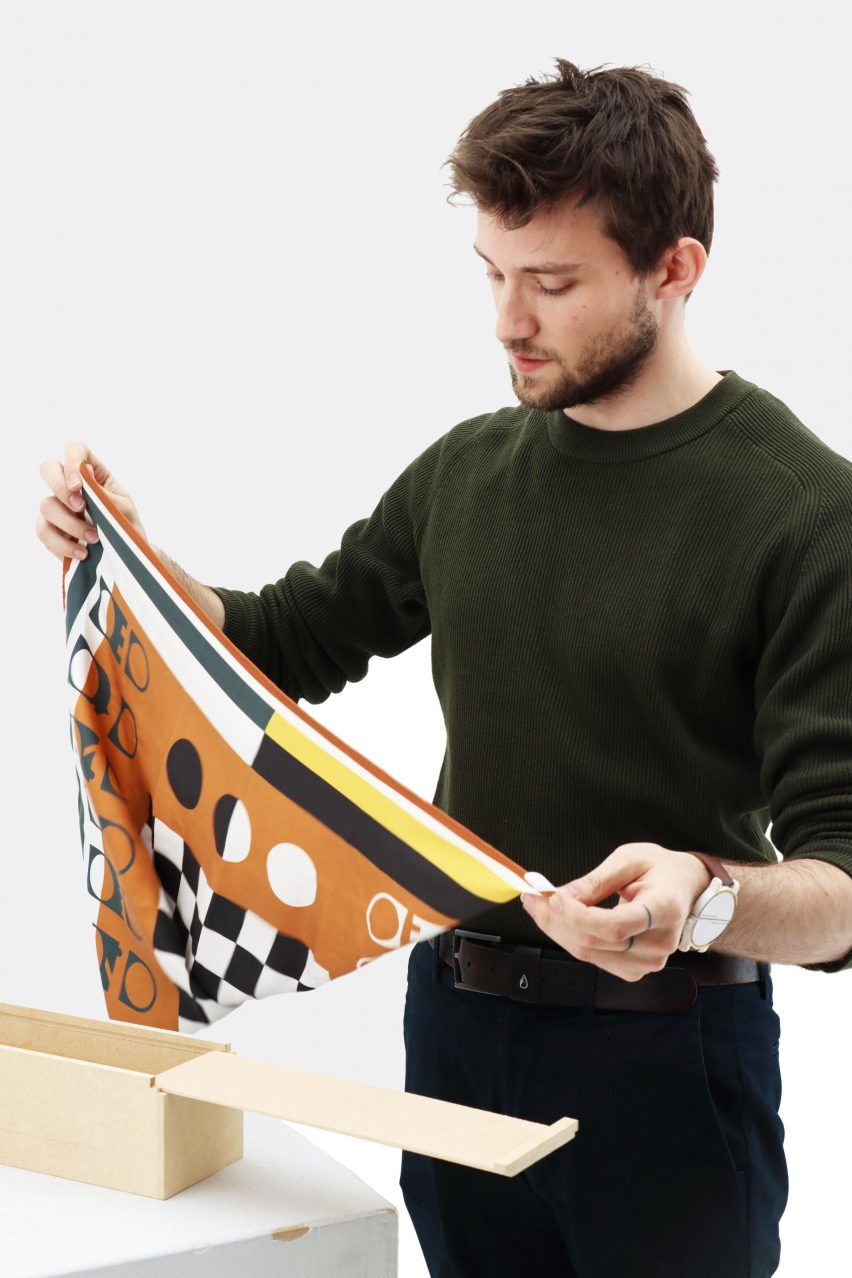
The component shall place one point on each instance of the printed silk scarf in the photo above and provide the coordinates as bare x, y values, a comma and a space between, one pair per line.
233, 846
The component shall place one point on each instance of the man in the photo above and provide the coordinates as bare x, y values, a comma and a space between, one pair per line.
637, 585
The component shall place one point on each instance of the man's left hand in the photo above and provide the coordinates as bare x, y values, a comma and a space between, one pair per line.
657, 887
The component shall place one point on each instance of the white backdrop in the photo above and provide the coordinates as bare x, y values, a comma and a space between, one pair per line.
229, 266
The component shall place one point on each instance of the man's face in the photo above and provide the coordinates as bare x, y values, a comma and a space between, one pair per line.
596, 335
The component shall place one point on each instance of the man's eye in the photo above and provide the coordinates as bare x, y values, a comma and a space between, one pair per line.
551, 292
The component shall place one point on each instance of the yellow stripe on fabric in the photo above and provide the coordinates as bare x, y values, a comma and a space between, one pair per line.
466, 870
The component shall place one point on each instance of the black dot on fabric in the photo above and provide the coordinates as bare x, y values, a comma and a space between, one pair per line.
183, 767
221, 821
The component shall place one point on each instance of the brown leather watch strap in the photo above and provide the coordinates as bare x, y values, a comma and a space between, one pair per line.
715, 865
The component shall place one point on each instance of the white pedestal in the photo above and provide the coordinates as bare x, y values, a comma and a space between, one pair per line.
287, 1209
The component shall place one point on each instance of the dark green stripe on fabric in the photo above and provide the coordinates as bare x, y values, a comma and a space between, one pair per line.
228, 679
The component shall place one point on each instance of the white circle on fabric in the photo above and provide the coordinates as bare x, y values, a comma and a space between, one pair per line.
81, 664
238, 838
292, 874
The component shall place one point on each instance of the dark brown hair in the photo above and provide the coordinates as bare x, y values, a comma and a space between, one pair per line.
622, 136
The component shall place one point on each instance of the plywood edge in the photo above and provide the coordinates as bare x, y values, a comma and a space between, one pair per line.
292, 1233
114, 1029
537, 1146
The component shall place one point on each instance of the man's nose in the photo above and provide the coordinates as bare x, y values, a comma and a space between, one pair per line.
515, 319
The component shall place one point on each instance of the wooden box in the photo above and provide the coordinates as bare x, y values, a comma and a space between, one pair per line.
154, 1111
78, 1098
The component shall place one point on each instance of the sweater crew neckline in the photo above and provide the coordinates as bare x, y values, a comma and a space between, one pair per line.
590, 443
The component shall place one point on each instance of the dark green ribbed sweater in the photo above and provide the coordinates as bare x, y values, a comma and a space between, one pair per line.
641, 634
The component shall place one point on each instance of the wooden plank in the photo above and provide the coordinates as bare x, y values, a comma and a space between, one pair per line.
459, 1133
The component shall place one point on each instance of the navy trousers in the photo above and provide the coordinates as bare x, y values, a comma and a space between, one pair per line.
677, 1166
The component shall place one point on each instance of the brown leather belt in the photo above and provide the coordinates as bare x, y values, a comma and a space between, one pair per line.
536, 974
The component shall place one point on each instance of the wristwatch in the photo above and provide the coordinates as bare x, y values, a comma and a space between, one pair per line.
713, 910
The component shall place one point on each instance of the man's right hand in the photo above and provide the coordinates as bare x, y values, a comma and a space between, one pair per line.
61, 522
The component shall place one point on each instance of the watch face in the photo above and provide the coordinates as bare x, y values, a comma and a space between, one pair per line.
714, 918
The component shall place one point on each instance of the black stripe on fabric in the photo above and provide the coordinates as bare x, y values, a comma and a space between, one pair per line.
377, 844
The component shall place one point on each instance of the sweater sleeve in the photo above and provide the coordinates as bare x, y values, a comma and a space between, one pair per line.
803, 704
315, 629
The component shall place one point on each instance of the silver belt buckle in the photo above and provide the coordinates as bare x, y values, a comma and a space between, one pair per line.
458, 983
